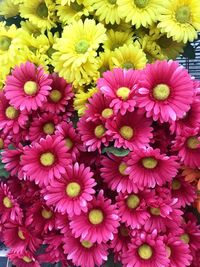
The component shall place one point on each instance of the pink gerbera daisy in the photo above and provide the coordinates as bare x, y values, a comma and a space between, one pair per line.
27, 87
131, 130
84, 253
9, 208
188, 146
45, 160
146, 250
93, 134
99, 223
165, 91
23, 259
148, 167
133, 208
71, 137
120, 86
59, 96
11, 119
72, 191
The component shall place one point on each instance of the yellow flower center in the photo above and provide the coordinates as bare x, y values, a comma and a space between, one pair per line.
126, 132
99, 131
11, 113
82, 46
122, 168
5, 43
145, 252
49, 128
7, 202
21, 235
73, 189
46, 214
30, 88
193, 142
42, 10
123, 231
168, 251
176, 185
155, 211
55, 95
133, 201
185, 238
27, 259
128, 65
96, 216
141, 3
47, 159
107, 113
183, 14
68, 143
112, 2
123, 92
1, 143
161, 92
75, 6
86, 244
149, 162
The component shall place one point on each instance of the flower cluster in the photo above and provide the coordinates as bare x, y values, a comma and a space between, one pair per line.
114, 181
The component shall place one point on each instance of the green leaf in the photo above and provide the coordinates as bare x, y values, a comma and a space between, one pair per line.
189, 51
3, 172
119, 152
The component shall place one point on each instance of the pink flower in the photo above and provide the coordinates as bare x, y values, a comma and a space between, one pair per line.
147, 167
72, 191
131, 130
83, 252
28, 87
23, 259
120, 86
165, 91
99, 223
45, 160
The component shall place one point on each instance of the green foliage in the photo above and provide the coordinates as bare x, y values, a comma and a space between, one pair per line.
119, 152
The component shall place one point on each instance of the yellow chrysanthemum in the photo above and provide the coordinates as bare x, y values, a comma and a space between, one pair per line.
8, 9
40, 12
16, 2
122, 27
31, 28
180, 19
140, 12
117, 39
129, 57
72, 11
81, 99
76, 51
106, 10
104, 59
66, 2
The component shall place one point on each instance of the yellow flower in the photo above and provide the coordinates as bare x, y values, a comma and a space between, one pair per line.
129, 57
117, 39
31, 28
104, 61
66, 2
122, 27
140, 12
180, 19
8, 9
39, 12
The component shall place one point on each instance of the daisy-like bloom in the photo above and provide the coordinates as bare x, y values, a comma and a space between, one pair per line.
59, 96
148, 167
11, 119
145, 250
40, 13
192, 175
128, 57
71, 192
128, 131
177, 251
140, 12
71, 137
188, 146
117, 39
104, 59
23, 259
9, 208
8, 9
120, 86
44, 125
84, 253
93, 133
168, 94
180, 20
113, 172
28, 86
45, 160
133, 208
99, 223
183, 191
